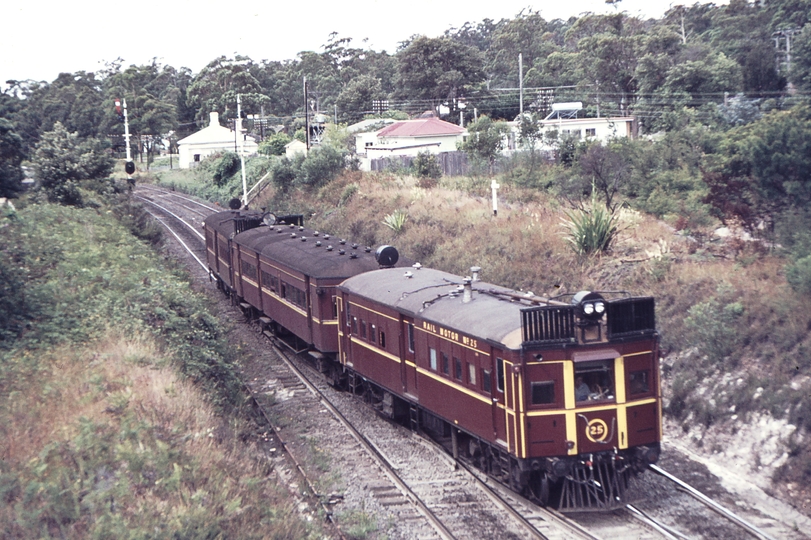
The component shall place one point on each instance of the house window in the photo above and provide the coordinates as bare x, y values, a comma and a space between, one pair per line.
591, 132
197, 157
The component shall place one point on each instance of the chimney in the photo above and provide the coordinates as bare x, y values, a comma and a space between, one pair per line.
474, 271
214, 118
467, 296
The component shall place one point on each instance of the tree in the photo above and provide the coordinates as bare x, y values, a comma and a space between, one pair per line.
607, 169
529, 135
485, 140
11, 156
62, 161
438, 69
355, 100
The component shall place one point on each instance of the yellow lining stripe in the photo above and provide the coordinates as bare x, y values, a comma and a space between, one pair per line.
381, 352
637, 354
250, 281
453, 385
571, 431
619, 376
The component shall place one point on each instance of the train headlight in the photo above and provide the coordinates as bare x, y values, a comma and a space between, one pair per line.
591, 305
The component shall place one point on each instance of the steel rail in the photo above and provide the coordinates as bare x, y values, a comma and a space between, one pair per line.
183, 221
378, 457
751, 529
174, 194
182, 243
658, 526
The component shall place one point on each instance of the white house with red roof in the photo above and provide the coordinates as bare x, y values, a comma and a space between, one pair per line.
409, 138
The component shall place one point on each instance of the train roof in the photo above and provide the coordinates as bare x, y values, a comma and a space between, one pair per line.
493, 313
310, 252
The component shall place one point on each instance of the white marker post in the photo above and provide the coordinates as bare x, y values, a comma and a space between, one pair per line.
129, 166
494, 187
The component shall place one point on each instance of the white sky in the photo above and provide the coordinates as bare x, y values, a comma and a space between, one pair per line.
41, 38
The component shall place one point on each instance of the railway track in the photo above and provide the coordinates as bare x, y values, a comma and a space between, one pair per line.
436, 502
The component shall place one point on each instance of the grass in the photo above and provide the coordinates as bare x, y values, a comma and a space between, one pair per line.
120, 414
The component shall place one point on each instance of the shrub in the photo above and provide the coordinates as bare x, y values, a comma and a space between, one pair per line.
426, 165
320, 166
396, 220
274, 145
591, 229
225, 167
798, 275
713, 325
284, 173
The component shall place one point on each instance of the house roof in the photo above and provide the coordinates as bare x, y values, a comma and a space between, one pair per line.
214, 133
422, 127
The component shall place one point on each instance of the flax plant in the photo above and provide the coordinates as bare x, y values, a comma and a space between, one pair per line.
591, 229
396, 220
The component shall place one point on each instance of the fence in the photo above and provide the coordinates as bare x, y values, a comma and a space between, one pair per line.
451, 163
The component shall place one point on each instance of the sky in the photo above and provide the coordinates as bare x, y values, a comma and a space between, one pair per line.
42, 38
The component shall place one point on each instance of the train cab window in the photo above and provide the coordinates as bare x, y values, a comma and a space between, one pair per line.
486, 384
457, 368
372, 333
471, 373
433, 359
382, 336
446, 369
594, 380
638, 382
410, 337
500, 374
543, 392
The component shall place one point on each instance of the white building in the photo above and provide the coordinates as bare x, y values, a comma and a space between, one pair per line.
209, 140
408, 138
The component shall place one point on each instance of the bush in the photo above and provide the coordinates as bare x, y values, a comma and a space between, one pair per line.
225, 167
713, 325
591, 230
798, 275
426, 165
284, 173
274, 145
320, 166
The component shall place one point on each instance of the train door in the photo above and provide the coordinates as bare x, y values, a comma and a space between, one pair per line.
408, 353
501, 418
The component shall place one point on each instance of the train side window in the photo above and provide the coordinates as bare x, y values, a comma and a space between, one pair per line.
543, 392
471, 374
457, 368
445, 364
362, 329
334, 307
486, 385
500, 374
355, 325
382, 336
433, 359
410, 337
638, 382
372, 333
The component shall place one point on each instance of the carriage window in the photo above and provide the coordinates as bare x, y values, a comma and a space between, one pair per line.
500, 374
433, 359
471, 373
362, 329
270, 281
457, 368
410, 337
382, 339
248, 270
486, 380
638, 382
445, 364
594, 380
372, 333
334, 308
355, 325
543, 392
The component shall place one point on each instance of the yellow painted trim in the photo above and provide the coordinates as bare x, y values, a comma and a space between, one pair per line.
375, 312
452, 384
250, 281
290, 305
411, 364
622, 427
571, 431
224, 262
328, 322
341, 357
450, 340
269, 292
568, 385
521, 417
381, 352
638, 353
619, 379
547, 362
507, 413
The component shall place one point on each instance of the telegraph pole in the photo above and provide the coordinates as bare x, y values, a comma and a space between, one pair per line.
238, 128
129, 166
521, 83
306, 116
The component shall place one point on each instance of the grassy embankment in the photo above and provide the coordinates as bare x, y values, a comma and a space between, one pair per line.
120, 414
734, 333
